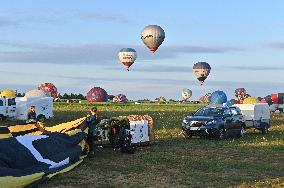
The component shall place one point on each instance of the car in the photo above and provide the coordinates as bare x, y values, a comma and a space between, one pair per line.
214, 121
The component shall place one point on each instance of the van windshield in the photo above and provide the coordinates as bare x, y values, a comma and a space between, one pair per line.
209, 111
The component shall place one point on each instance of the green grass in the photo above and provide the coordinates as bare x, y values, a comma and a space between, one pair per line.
253, 161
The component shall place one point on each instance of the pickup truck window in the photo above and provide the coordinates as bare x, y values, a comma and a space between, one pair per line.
1, 103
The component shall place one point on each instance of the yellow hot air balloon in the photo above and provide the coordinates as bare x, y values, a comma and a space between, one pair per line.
250, 100
8, 93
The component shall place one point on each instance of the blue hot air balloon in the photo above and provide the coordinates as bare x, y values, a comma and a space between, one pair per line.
218, 97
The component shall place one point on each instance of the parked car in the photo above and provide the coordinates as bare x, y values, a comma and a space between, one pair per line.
214, 121
256, 116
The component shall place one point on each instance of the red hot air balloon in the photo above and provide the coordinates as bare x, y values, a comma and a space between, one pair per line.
97, 94
49, 88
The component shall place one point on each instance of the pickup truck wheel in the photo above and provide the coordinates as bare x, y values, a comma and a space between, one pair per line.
221, 133
264, 128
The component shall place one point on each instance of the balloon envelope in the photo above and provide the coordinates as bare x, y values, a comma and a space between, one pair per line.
127, 56
201, 70
97, 94
206, 98
37, 93
120, 98
50, 88
218, 97
8, 93
186, 94
250, 100
153, 36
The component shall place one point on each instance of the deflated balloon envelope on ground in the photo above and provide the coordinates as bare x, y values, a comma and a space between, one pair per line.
127, 57
186, 94
153, 36
97, 94
201, 70
218, 97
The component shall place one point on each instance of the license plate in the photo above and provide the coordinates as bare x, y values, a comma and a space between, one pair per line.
194, 128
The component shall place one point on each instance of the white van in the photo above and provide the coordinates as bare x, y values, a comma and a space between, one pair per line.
43, 107
7, 108
256, 116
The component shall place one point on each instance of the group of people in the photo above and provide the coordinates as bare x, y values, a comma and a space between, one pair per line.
92, 120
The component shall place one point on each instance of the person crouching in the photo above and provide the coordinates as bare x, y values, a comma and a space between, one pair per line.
31, 115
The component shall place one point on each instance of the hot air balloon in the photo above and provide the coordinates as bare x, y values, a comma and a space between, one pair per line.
37, 93
127, 56
250, 100
186, 94
50, 88
120, 98
153, 36
97, 94
241, 95
206, 98
201, 70
8, 93
218, 97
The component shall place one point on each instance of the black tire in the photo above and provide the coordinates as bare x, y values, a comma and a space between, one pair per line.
221, 134
2, 118
264, 128
186, 134
41, 118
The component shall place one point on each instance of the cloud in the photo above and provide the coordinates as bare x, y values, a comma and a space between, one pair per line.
255, 68
279, 45
98, 54
104, 17
7, 22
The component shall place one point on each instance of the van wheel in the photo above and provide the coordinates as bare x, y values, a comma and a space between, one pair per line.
264, 128
41, 118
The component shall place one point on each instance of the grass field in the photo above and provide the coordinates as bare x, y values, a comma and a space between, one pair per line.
253, 161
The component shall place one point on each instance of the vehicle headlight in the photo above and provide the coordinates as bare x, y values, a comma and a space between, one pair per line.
211, 122
185, 121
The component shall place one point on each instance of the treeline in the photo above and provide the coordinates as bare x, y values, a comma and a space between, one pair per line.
72, 96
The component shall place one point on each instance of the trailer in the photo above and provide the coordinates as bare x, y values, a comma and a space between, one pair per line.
256, 116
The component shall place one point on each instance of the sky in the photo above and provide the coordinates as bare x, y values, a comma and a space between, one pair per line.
74, 44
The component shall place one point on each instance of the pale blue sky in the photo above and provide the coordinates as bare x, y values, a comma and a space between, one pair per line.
74, 44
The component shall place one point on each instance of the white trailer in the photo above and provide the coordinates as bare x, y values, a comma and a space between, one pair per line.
256, 116
43, 107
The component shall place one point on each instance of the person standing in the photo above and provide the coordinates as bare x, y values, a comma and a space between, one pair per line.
92, 121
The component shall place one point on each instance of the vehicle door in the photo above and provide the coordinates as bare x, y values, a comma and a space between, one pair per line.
11, 107
2, 107
228, 121
237, 120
